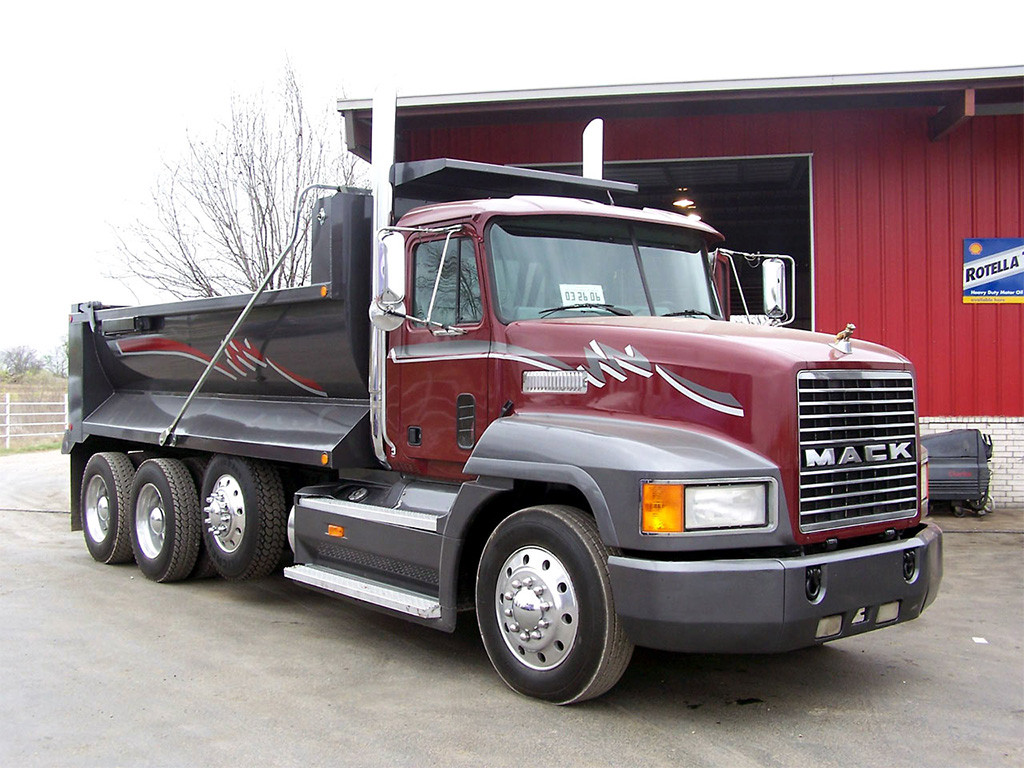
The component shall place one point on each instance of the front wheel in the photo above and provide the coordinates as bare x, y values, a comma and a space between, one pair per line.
545, 608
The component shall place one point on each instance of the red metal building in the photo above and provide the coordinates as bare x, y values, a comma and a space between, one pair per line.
872, 182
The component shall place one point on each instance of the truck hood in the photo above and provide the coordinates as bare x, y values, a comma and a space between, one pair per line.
726, 362
730, 377
762, 341
736, 381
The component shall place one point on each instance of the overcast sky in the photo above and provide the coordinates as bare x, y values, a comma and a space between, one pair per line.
97, 95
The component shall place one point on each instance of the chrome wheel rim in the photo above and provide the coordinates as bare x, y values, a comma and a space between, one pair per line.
225, 514
97, 509
536, 607
150, 521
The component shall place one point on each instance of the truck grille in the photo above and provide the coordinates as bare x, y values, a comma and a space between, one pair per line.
858, 448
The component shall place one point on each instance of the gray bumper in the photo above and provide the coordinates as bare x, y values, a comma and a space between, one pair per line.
760, 605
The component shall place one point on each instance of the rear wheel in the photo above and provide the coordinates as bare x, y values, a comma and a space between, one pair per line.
105, 504
545, 608
204, 567
165, 530
244, 517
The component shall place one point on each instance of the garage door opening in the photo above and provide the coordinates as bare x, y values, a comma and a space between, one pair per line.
760, 204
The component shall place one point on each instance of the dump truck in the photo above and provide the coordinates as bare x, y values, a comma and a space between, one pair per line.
508, 391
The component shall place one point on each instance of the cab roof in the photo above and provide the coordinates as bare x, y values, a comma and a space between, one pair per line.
527, 205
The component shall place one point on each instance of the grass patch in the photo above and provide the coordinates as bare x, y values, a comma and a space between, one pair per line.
29, 446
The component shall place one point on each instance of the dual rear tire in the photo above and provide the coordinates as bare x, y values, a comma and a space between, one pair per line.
244, 517
105, 501
156, 515
165, 520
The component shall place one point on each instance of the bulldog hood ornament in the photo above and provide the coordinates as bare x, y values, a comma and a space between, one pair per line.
842, 343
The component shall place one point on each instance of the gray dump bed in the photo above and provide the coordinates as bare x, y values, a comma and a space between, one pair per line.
291, 385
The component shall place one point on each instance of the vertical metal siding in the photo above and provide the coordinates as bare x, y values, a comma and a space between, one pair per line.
890, 209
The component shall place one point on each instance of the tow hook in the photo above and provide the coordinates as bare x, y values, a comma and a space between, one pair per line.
909, 565
812, 583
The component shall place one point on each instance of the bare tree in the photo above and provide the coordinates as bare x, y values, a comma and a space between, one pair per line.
16, 362
223, 214
56, 362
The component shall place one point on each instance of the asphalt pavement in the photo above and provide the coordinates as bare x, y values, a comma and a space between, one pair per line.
99, 666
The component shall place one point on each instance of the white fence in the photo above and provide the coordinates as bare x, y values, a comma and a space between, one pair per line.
20, 420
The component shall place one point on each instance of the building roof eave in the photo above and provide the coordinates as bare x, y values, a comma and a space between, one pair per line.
905, 81
997, 90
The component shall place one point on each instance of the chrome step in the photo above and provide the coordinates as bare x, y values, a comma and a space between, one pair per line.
402, 517
392, 598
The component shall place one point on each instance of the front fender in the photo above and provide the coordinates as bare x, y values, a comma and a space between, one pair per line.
606, 459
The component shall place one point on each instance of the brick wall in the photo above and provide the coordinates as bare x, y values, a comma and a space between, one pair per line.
1007, 464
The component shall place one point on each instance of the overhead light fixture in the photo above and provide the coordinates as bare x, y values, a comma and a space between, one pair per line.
684, 202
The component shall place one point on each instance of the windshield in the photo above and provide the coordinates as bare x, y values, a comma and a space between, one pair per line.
556, 266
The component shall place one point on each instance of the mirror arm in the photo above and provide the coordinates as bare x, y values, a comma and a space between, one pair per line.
392, 311
731, 256
755, 259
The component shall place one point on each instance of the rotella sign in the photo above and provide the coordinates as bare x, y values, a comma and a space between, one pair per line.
994, 271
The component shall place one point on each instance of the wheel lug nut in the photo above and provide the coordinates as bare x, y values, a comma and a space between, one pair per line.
543, 624
508, 595
536, 634
508, 612
538, 590
513, 627
516, 584
524, 635
528, 582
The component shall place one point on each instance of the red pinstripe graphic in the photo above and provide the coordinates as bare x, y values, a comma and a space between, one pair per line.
240, 356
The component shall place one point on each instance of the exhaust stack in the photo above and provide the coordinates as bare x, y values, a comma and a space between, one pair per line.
382, 160
593, 149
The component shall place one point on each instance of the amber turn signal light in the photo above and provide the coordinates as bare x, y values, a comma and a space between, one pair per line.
661, 508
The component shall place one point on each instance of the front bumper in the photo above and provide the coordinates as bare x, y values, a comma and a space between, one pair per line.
761, 605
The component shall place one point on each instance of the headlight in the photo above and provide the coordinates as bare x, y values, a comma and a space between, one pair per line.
725, 506
678, 508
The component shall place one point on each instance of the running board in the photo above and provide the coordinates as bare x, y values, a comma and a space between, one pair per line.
392, 598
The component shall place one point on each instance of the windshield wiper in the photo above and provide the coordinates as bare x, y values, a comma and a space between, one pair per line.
690, 313
587, 305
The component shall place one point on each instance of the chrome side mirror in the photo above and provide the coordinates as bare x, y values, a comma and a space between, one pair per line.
394, 267
387, 311
773, 278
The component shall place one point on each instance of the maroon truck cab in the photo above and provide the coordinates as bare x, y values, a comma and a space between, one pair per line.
582, 347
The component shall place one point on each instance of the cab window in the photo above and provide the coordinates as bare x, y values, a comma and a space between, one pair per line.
457, 301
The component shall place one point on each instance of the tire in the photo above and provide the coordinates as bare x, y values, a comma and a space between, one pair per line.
244, 517
105, 502
165, 520
543, 576
204, 567
982, 506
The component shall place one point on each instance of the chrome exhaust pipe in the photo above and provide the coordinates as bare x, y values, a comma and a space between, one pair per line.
382, 161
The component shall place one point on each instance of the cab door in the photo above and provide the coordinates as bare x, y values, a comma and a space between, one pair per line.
442, 369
